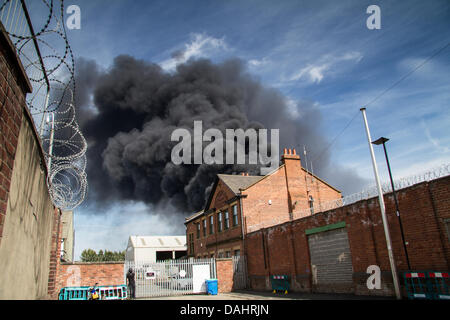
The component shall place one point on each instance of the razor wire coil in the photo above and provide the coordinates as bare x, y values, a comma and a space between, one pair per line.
48, 61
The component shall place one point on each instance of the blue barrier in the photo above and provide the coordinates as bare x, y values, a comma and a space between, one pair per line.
118, 292
429, 285
439, 284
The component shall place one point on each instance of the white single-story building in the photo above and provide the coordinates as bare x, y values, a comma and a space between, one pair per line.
155, 248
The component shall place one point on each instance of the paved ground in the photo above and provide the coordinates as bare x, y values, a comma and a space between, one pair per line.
256, 295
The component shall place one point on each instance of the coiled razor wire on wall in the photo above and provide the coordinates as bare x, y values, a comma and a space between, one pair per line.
43, 48
371, 192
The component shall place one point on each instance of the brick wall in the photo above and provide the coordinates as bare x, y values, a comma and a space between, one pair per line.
14, 85
288, 190
224, 268
29, 248
225, 240
55, 260
424, 208
87, 274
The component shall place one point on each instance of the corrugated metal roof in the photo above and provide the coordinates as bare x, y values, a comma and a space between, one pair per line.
158, 241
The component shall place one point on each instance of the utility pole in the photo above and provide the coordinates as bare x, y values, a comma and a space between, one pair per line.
383, 210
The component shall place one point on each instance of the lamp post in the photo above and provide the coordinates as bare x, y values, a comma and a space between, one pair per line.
383, 210
382, 141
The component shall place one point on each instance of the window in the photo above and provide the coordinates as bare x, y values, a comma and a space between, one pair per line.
235, 215
311, 204
237, 253
211, 224
219, 222
198, 230
227, 219
227, 254
204, 227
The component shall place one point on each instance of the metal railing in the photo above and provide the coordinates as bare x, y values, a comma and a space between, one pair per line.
240, 276
48, 61
167, 278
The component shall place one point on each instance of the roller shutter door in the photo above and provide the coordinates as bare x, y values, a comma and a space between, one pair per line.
331, 261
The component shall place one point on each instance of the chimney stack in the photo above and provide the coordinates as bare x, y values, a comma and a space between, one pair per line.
290, 154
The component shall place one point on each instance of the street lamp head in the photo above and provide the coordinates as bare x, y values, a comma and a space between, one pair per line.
381, 140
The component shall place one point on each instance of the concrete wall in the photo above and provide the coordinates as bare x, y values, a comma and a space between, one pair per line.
425, 212
67, 236
27, 231
29, 224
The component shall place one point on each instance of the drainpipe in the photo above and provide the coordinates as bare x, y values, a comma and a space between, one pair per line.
242, 224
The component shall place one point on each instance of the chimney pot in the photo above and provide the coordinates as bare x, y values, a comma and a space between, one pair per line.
285, 151
294, 151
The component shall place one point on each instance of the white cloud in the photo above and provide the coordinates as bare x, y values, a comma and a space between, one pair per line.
201, 45
434, 142
258, 63
316, 72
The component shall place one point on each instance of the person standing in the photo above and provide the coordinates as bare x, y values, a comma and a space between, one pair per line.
131, 283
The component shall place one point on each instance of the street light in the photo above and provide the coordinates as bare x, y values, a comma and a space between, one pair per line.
382, 141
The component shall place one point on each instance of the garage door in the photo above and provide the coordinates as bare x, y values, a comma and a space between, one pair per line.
331, 261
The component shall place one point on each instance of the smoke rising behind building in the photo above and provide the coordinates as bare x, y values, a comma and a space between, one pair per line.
128, 112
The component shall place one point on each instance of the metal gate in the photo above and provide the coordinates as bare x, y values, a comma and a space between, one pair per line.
169, 278
331, 261
239, 272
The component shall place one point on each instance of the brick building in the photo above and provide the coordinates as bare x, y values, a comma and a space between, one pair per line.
239, 204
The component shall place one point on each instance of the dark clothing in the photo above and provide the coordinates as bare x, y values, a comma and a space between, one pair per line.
131, 284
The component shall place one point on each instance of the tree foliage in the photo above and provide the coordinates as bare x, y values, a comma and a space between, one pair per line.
90, 255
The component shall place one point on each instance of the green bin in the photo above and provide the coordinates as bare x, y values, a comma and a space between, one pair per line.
280, 283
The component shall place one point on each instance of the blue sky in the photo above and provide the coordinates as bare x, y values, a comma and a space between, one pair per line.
315, 51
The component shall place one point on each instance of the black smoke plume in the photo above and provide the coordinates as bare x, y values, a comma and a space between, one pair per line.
137, 105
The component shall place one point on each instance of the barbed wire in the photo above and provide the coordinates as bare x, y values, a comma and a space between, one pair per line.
371, 192
48, 61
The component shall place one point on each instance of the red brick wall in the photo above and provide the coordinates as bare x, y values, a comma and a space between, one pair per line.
258, 213
224, 268
55, 253
14, 85
88, 273
283, 249
286, 188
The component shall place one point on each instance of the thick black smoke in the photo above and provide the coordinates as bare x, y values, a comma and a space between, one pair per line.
137, 107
